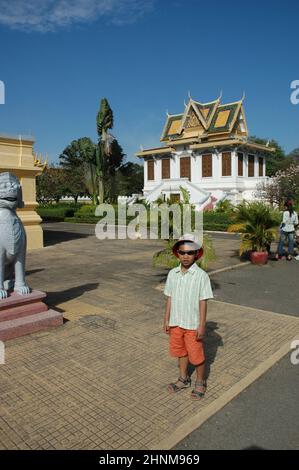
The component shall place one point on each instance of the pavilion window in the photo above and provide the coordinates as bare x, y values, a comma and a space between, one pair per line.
185, 170
250, 165
240, 164
150, 170
165, 168
261, 166
226, 164
207, 165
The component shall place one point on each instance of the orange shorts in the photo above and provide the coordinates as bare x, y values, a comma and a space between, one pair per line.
183, 342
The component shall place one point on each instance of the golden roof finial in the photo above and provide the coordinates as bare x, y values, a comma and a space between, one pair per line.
167, 113
220, 96
189, 95
243, 97
47, 160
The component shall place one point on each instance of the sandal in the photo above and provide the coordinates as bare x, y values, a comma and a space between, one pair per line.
197, 394
173, 387
289, 258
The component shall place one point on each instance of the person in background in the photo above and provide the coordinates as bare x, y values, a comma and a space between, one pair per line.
287, 231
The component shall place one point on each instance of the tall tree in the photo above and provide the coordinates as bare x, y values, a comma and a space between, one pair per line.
112, 164
79, 159
74, 183
104, 123
130, 179
51, 184
73, 155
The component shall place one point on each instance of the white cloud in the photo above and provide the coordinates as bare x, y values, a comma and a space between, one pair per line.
52, 15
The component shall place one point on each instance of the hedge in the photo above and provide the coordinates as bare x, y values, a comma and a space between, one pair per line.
218, 221
55, 213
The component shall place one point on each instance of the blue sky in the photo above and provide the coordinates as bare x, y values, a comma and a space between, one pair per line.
58, 58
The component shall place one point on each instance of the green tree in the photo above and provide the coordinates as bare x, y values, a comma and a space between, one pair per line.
51, 185
78, 159
74, 183
104, 123
129, 179
276, 160
112, 164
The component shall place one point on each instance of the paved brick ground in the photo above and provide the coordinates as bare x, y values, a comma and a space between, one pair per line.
98, 382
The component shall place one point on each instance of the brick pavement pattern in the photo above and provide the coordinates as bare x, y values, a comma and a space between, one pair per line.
99, 381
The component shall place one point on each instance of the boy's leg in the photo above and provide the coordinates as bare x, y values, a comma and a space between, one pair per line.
183, 365
200, 372
178, 349
184, 379
197, 358
200, 385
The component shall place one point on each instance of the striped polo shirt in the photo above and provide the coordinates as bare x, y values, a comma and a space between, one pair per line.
186, 289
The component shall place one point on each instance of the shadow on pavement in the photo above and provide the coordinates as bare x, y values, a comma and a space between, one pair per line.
55, 298
212, 342
52, 237
34, 271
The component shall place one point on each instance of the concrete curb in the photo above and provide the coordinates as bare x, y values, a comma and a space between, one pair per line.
197, 420
221, 232
229, 268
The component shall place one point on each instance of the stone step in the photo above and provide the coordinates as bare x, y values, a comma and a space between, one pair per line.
22, 311
15, 299
10, 329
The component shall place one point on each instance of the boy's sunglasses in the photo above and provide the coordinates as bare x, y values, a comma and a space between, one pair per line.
190, 253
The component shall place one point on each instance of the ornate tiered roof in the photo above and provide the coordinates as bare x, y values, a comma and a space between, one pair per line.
203, 120
205, 125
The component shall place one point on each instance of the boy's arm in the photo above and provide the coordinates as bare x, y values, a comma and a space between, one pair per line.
202, 319
167, 315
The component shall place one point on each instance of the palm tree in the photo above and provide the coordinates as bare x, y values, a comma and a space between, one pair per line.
104, 123
257, 224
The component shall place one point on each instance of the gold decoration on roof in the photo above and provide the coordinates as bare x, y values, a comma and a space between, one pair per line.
222, 118
205, 112
174, 127
38, 161
192, 120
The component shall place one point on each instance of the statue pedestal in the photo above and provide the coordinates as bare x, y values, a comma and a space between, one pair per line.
24, 314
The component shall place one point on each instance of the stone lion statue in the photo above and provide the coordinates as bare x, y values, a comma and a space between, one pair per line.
12, 237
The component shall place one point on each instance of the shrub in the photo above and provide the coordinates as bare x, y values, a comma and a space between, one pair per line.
87, 210
257, 223
55, 213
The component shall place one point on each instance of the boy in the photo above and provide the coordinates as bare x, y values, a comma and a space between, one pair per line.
187, 287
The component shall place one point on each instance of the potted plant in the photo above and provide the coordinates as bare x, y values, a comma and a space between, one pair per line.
257, 223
